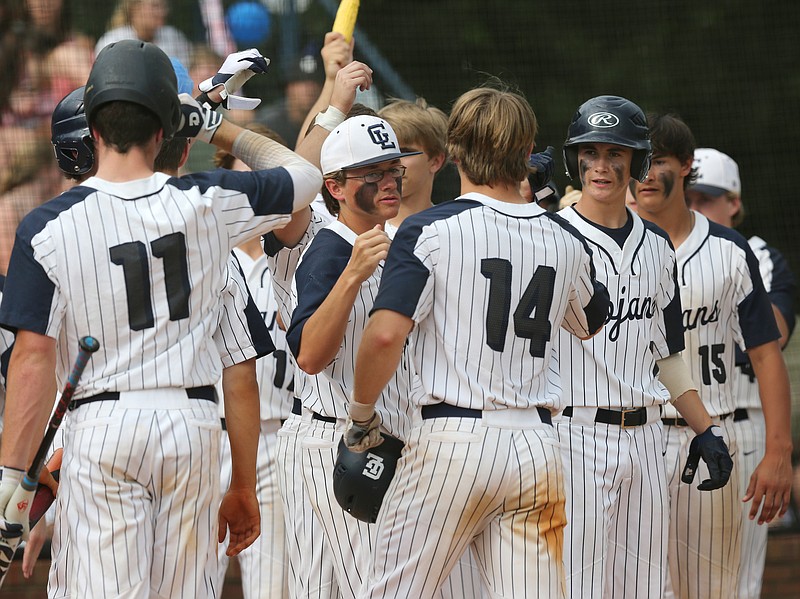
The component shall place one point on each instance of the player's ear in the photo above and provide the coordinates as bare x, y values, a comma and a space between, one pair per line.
686, 167
334, 188
435, 163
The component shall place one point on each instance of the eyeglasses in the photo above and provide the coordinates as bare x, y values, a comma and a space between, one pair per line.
377, 176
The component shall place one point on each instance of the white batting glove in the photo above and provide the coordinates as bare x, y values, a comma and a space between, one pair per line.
362, 431
232, 75
9, 481
197, 121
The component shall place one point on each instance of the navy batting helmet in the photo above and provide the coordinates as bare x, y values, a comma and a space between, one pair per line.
360, 480
138, 72
70, 135
611, 120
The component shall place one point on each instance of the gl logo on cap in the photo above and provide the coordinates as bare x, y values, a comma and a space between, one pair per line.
603, 120
378, 135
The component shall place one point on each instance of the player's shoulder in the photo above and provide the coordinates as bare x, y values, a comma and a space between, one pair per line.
329, 247
441, 211
650, 228
38, 218
715, 230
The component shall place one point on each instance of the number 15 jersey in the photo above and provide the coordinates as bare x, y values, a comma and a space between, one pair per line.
724, 304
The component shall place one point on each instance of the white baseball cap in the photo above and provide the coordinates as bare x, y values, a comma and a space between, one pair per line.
360, 141
717, 173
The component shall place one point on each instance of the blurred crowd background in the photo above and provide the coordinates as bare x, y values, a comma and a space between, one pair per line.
728, 69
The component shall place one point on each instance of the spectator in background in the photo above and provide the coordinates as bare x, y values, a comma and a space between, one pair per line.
146, 20
42, 60
303, 85
27, 178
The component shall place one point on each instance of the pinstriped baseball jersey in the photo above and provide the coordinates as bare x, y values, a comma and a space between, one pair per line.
275, 373
327, 393
724, 305
484, 357
148, 283
241, 333
283, 261
616, 367
780, 286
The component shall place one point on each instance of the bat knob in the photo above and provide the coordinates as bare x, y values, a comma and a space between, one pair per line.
89, 344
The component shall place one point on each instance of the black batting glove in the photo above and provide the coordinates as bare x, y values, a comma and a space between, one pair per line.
545, 168
710, 445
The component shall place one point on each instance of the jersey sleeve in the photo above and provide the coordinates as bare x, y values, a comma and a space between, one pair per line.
31, 300
589, 301
318, 271
241, 333
672, 313
779, 282
406, 283
756, 319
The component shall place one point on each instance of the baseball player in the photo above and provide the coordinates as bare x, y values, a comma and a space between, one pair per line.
480, 471
716, 194
240, 323
419, 128
610, 429
161, 244
724, 305
264, 565
335, 283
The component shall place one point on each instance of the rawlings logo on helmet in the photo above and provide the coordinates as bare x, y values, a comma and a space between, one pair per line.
603, 120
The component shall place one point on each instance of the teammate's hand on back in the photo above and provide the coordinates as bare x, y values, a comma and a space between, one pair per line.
9, 480
239, 515
770, 485
709, 445
368, 251
336, 53
362, 431
355, 76
197, 121
237, 69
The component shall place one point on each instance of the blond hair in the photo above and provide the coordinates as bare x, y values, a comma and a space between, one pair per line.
490, 134
417, 123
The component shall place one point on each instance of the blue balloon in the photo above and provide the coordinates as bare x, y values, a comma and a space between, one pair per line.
249, 23
185, 83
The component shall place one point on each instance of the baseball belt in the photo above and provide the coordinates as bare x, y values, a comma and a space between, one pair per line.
738, 414
207, 393
444, 410
623, 418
